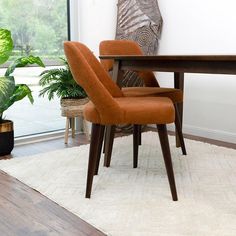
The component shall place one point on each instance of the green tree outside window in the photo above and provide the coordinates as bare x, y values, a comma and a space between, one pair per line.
38, 27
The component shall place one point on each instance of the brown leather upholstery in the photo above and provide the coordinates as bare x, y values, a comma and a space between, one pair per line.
108, 104
129, 47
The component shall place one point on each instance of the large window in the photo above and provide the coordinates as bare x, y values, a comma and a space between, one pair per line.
38, 27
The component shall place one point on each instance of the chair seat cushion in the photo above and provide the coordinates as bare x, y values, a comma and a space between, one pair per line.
135, 110
176, 95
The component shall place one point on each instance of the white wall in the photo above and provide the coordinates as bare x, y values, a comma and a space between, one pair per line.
203, 27
97, 22
190, 27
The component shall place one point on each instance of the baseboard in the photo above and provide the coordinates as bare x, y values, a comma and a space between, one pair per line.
208, 133
41, 137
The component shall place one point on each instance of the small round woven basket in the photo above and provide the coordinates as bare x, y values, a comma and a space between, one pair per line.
71, 107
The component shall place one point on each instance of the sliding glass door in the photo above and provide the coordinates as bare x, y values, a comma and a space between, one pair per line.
38, 28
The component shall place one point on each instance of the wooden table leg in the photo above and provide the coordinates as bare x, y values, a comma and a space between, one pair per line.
179, 84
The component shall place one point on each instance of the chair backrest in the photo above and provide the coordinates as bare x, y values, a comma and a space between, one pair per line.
89, 73
125, 47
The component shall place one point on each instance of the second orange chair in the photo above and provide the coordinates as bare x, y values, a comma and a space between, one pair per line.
152, 88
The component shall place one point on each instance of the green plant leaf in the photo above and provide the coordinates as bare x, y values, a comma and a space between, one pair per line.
20, 91
7, 87
9, 91
6, 45
60, 82
22, 62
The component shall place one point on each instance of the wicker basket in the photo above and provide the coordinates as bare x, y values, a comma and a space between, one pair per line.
71, 107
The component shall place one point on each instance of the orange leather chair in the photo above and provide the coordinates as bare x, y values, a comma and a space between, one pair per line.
109, 106
152, 88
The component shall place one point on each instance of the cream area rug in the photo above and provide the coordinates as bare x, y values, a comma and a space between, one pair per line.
127, 201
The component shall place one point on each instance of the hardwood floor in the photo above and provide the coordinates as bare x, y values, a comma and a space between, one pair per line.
24, 211
46, 146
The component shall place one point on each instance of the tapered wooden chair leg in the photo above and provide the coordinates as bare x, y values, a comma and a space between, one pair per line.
110, 134
140, 135
105, 140
100, 138
179, 130
179, 113
136, 133
93, 156
162, 131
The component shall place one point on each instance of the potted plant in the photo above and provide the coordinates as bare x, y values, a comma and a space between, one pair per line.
10, 92
60, 82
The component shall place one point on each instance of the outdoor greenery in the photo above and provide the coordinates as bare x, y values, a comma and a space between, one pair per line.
9, 91
37, 26
60, 82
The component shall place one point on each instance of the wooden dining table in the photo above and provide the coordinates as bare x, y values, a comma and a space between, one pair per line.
179, 64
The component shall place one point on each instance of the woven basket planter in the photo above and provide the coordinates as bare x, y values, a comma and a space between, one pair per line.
71, 107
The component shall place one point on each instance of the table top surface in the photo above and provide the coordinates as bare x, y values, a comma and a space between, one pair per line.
172, 57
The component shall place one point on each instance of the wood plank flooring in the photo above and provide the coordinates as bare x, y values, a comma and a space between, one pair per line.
24, 211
